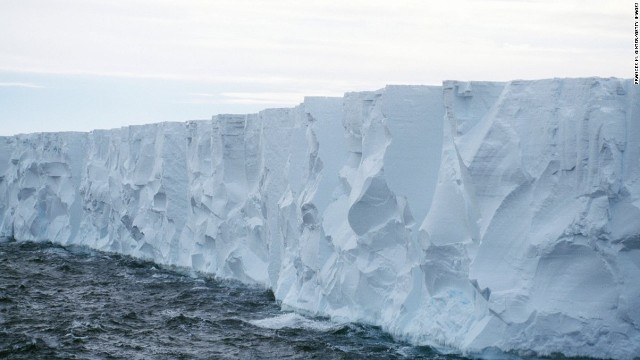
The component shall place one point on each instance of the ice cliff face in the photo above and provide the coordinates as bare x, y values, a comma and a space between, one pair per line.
472, 216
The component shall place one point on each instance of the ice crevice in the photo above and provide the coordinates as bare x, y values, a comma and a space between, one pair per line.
470, 216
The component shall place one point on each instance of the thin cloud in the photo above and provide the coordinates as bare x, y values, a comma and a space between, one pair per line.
21, 85
248, 98
263, 97
250, 41
311, 85
245, 55
267, 98
203, 94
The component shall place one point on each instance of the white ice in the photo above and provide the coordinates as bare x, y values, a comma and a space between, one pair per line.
470, 216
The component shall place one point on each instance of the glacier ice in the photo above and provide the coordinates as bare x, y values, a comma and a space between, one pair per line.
469, 216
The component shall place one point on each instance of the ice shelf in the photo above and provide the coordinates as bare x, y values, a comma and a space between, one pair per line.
470, 216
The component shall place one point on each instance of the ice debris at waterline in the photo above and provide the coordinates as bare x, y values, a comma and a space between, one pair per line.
473, 216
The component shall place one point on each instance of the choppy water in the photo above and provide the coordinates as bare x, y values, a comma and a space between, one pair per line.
58, 302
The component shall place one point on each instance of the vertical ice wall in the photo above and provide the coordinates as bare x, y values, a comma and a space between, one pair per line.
353, 261
226, 223
39, 186
534, 184
475, 215
133, 190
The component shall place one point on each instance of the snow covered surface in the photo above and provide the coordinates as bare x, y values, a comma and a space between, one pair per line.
472, 216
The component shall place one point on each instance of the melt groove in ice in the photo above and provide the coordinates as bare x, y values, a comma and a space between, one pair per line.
472, 216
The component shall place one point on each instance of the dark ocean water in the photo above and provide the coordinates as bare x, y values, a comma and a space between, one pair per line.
76, 303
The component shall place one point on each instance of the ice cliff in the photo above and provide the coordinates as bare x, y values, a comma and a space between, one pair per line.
471, 216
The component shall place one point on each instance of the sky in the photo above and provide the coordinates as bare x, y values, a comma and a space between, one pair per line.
85, 64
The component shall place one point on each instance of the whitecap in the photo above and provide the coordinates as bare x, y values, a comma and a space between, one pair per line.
295, 321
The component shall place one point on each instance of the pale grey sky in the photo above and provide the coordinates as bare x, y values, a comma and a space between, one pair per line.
244, 55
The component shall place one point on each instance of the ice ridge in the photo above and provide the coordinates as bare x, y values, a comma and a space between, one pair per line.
470, 216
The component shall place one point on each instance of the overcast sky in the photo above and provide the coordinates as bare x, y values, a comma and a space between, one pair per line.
84, 64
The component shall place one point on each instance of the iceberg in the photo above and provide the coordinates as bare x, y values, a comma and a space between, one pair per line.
472, 216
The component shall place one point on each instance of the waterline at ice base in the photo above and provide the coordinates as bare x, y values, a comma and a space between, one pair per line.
472, 216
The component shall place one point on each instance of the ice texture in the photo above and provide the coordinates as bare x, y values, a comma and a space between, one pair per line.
470, 216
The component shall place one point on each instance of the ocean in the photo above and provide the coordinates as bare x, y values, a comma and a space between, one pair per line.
76, 303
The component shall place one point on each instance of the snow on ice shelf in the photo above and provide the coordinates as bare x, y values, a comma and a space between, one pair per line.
469, 216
